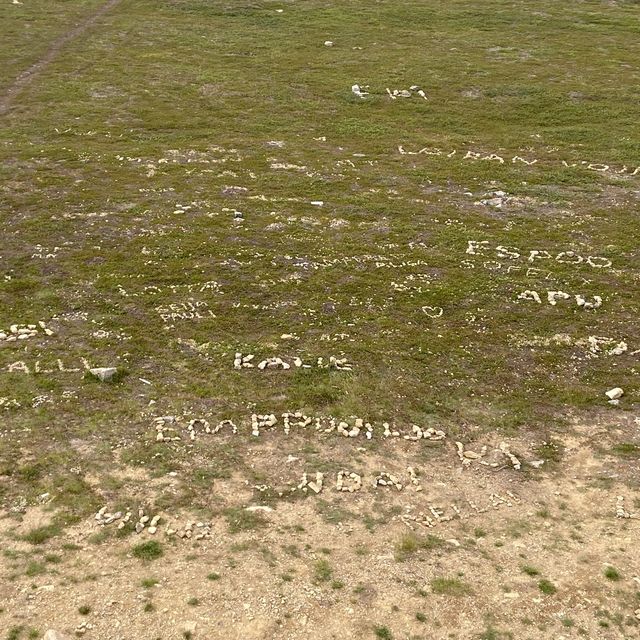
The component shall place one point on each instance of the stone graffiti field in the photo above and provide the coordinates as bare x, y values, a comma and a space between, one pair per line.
319, 319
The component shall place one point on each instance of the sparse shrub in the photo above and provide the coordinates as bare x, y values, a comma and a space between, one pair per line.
383, 633
40, 535
450, 587
547, 587
52, 558
530, 571
150, 550
35, 569
626, 450
611, 573
240, 519
322, 570
84, 610
15, 632
213, 576
410, 543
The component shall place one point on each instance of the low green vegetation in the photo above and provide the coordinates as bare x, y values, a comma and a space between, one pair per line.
547, 587
450, 587
150, 550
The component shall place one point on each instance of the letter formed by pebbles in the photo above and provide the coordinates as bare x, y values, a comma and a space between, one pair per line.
162, 429
621, 512
530, 295
348, 481
468, 456
581, 301
243, 362
315, 485
258, 421
385, 479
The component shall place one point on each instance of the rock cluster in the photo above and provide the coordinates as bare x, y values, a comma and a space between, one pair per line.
407, 93
351, 432
82, 628
24, 331
103, 517
300, 421
276, 362
144, 520
385, 479
241, 361
615, 393
554, 296
359, 91
353, 479
273, 363
514, 461
582, 302
427, 434
314, 485
436, 515
340, 364
257, 421
195, 530
414, 478
104, 374
621, 512
530, 295
163, 429
494, 199
168, 428
467, 456
197, 422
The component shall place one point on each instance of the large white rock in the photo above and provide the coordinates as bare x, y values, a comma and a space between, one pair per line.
104, 374
615, 393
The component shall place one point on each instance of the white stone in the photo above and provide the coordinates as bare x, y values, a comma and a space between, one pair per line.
615, 393
104, 374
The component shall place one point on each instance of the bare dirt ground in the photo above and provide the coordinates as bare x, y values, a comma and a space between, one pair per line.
543, 551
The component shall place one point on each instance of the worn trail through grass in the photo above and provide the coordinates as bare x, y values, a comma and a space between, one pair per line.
30, 74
